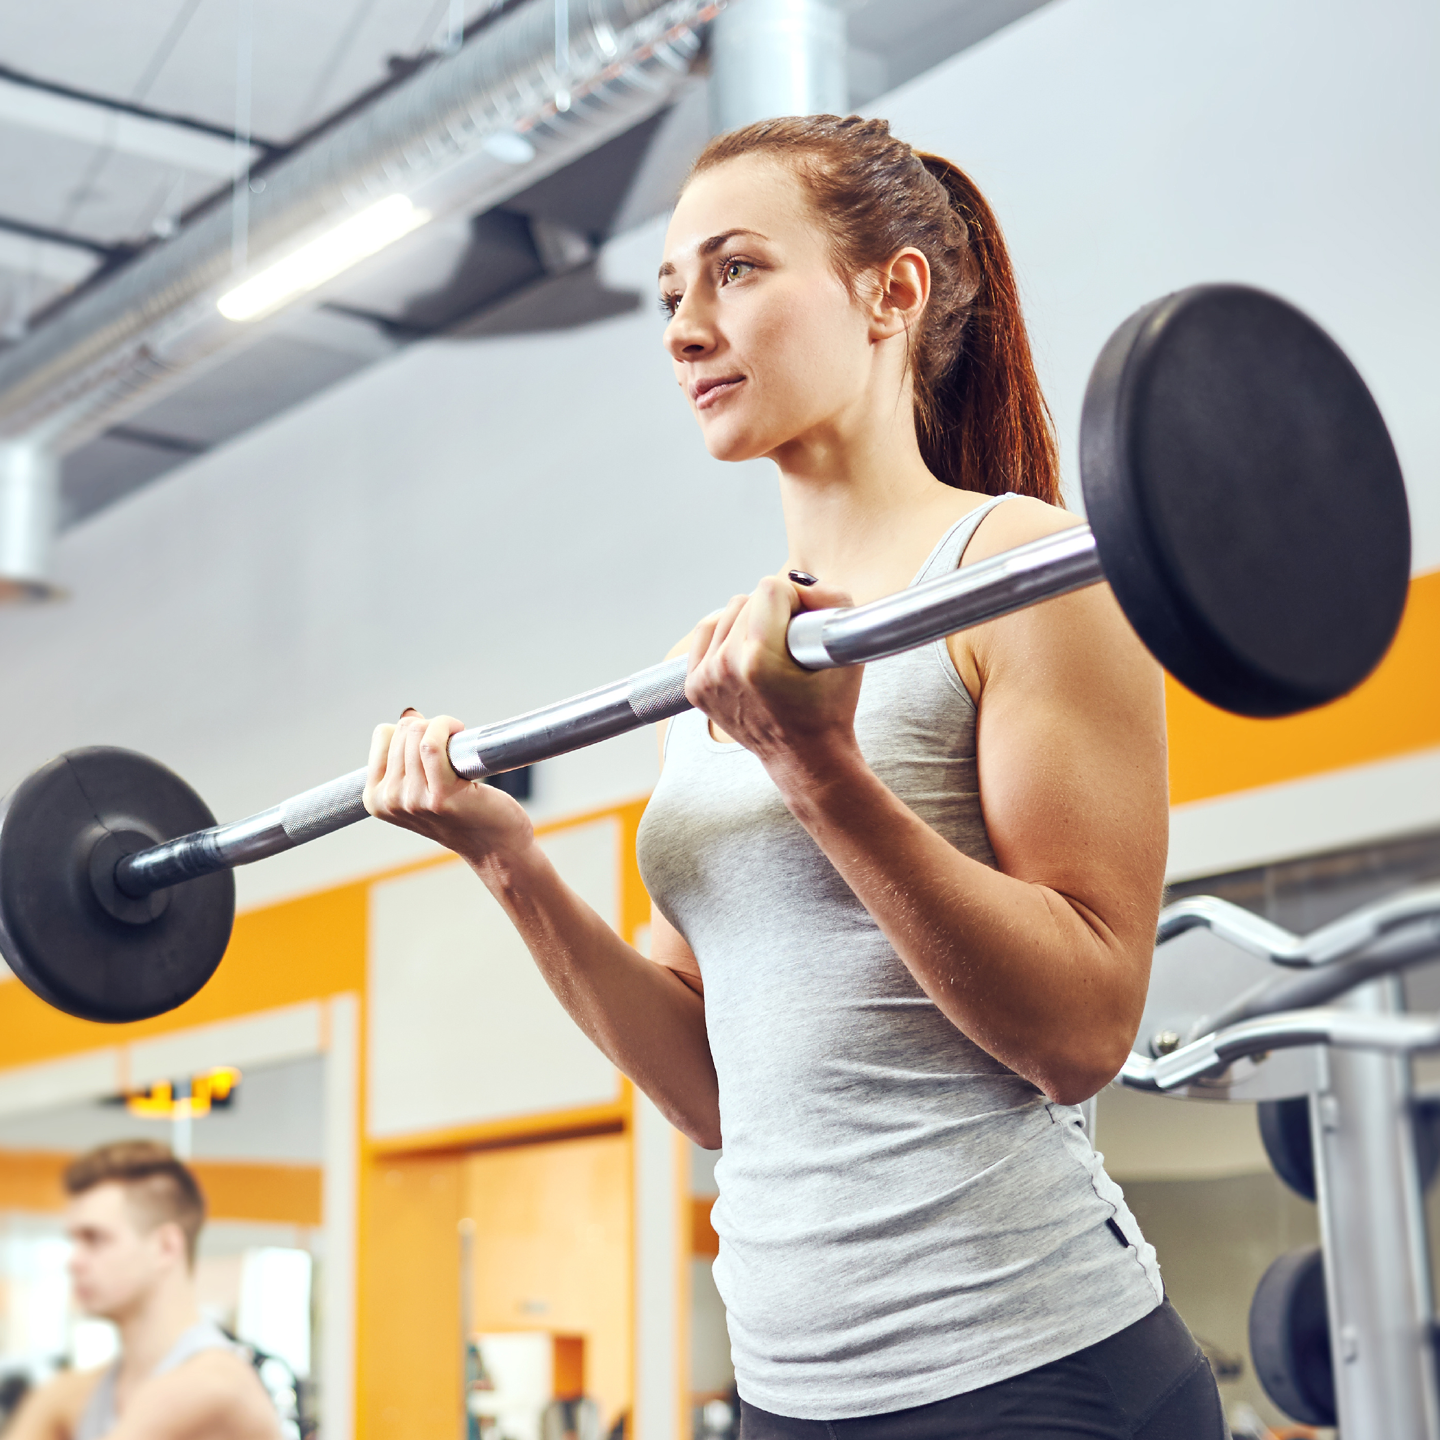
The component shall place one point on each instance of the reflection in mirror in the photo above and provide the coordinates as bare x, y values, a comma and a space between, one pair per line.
257, 1157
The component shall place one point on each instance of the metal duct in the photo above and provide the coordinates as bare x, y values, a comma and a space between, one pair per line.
446, 138
777, 57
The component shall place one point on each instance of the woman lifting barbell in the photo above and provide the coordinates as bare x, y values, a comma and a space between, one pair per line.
904, 917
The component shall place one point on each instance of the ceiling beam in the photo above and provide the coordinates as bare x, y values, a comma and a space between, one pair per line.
93, 121
31, 250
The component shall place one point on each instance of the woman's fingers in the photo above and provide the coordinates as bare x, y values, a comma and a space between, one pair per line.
440, 776
392, 789
700, 640
375, 764
768, 614
821, 596
710, 633
725, 625
409, 768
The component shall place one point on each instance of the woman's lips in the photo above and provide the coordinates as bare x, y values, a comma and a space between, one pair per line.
712, 394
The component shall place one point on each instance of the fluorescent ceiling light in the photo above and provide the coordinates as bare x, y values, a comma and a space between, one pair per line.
323, 257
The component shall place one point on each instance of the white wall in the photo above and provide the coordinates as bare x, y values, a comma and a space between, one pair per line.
1132, 147
483, 526
462, 1028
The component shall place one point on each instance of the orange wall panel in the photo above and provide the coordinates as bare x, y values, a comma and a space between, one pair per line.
553, 1250
409, 1362
283, 1194
277, 1194
1395, 712
703, 1239
282, 955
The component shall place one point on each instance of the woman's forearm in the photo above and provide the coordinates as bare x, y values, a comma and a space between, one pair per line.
648, 1022
1030, 975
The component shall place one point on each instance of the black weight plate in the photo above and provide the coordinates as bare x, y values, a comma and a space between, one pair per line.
1247, 503
1290, 1337
1285, 1133
54, 931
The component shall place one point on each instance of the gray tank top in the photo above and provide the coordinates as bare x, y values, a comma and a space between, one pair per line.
101, 1416
902, 1218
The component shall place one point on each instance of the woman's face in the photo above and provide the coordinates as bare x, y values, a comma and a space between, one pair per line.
767, 342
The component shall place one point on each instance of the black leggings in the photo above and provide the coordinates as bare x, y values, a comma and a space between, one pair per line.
1149, 1382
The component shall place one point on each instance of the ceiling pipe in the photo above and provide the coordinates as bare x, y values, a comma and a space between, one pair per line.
512, 106
777, 57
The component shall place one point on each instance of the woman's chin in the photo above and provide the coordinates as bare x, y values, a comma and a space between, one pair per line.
734, 442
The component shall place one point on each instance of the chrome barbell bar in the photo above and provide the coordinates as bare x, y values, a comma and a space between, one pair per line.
818, 639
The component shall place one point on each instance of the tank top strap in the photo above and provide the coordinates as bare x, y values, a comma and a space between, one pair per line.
950, 548
100, 1416
205, 1335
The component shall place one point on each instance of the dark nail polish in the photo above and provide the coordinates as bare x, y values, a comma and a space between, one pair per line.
804, 577
408, 710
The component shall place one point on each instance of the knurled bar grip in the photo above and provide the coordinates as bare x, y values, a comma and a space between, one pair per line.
817, 639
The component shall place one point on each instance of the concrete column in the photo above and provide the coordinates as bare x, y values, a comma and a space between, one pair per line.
776, 57
29, 517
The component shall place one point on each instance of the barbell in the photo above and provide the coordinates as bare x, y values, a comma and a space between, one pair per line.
1245, 505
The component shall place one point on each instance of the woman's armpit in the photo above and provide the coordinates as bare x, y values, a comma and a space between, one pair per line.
669, 948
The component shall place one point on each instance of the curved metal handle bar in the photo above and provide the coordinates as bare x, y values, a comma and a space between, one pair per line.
1396, 950
1349, 1029
817, 639
1339, 940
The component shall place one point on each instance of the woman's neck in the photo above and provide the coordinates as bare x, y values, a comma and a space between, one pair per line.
864, 516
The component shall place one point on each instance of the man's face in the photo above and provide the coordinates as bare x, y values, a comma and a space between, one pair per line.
118, 1257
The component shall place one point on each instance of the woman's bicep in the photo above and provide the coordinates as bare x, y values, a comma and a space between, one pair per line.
1071, 753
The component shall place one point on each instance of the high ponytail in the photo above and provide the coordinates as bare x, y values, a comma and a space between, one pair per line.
980, 418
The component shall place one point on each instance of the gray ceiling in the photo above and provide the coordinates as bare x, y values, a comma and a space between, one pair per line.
118, 120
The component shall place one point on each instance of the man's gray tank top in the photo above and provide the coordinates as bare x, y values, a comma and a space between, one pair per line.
101, 1417
902, 1218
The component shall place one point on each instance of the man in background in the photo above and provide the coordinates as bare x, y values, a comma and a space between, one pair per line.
134, 1218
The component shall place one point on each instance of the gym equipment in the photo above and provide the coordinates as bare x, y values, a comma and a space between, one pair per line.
1290, 1337
1246, 507
1371, 1137
1285, 1134
75, 938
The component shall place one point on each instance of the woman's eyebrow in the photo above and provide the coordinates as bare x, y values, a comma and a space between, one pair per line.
710, 246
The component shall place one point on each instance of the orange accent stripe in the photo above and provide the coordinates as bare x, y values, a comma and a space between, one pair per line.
634, 899
1395, 712
283, 954
703, 1239
513, 1130
278, 1194
282, 1194
288, 953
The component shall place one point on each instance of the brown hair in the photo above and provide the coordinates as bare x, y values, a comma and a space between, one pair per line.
156, 1183
980, 417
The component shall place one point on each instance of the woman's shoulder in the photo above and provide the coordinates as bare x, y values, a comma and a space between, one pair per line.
1019, 520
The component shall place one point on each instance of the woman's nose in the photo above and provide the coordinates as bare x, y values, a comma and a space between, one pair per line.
687, 336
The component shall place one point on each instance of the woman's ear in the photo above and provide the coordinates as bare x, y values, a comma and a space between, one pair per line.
904, 287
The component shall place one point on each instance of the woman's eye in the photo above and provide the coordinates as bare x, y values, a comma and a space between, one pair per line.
669, 304
735, 269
